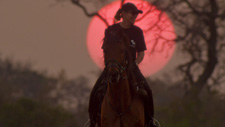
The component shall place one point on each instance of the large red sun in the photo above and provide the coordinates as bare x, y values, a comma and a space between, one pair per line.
158, 31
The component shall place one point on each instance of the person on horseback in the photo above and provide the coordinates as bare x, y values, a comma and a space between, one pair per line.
128, 13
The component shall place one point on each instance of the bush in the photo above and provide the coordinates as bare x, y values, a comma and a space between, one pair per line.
28, 113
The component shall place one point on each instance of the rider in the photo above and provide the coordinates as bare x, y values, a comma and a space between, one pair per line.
128, 13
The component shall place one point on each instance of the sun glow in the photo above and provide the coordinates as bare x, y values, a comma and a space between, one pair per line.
158, 31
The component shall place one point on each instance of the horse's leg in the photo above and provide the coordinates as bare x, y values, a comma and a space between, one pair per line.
138, 113
108, 116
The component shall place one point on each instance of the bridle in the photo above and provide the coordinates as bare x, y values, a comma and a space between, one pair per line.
118, 65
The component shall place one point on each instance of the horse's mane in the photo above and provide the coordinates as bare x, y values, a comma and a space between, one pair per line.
116, 36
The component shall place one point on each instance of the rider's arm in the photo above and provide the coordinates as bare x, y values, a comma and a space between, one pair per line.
140, 57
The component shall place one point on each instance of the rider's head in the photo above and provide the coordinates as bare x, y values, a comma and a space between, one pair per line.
128, 13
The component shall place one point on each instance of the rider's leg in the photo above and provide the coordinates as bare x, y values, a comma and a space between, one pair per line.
148, 100
95, 101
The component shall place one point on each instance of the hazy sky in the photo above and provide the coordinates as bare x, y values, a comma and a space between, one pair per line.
52, 38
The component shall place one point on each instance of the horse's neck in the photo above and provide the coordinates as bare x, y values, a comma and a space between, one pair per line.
120, 94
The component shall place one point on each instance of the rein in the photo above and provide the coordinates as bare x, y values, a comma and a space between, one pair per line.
114, 63
118, 65
119, 113
121, 68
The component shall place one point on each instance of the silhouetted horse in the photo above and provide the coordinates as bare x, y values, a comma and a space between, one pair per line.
121, 106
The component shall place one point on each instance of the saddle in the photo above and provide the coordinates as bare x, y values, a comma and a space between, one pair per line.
139, 87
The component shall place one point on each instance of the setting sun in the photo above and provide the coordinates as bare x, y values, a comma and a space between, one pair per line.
158, 31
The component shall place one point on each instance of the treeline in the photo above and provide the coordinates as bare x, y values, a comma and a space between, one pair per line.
26, 112
32, 99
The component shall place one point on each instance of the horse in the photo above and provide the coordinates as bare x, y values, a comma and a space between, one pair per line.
121, 105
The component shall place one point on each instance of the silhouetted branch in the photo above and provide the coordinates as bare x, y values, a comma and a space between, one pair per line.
222, 16
186, 69
221, 47
76, 2
193, 9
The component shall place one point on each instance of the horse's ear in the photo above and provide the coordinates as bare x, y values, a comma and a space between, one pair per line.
103, 44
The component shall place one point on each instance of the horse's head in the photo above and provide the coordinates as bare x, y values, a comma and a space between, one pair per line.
115, 48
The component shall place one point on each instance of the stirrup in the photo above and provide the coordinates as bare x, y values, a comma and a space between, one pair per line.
154, 122
88, 123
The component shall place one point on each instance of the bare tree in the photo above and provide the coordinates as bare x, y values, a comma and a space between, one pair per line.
200, 31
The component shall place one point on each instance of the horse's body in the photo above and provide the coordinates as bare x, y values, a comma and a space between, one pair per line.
121, 106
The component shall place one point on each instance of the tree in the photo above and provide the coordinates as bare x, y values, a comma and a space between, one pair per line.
28, 113
19, 80
200, 34
25, 97
73, 95
200, 31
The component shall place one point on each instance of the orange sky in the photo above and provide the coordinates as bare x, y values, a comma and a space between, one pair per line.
52, 38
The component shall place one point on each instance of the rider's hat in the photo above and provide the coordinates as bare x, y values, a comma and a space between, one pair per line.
130, 7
